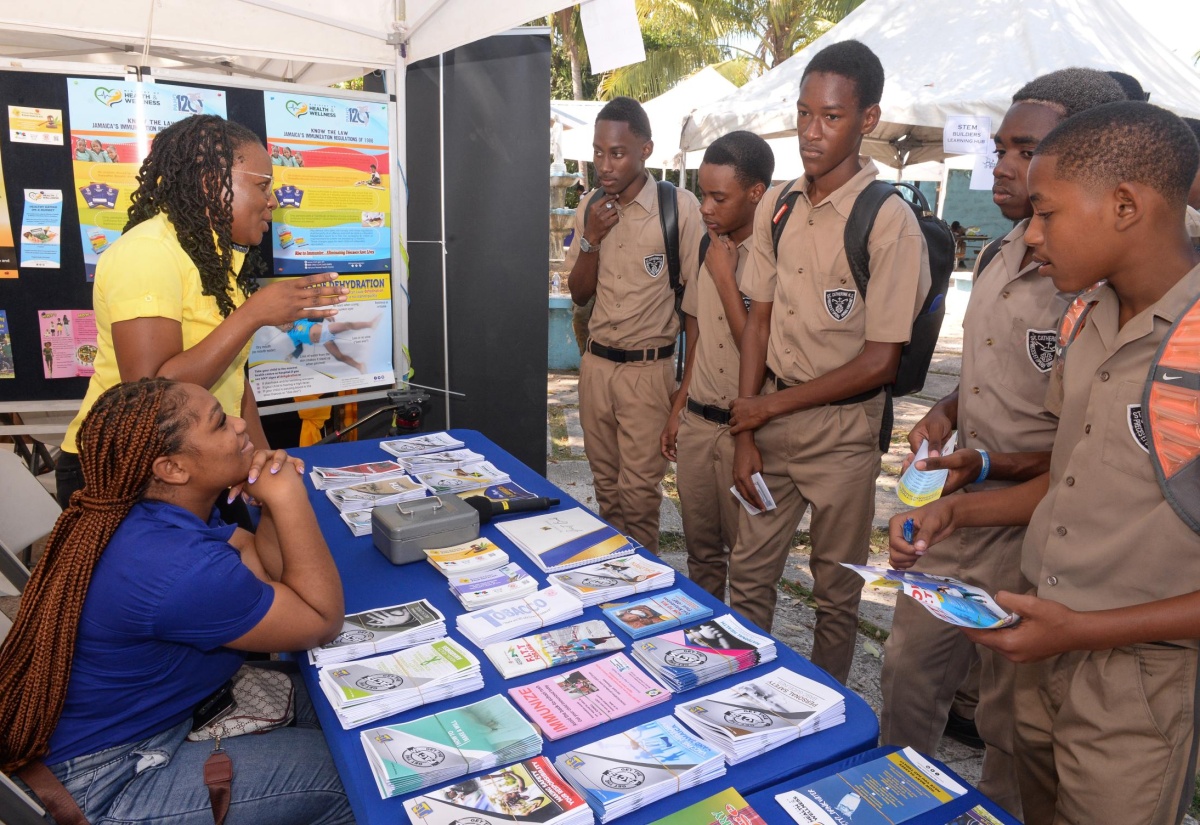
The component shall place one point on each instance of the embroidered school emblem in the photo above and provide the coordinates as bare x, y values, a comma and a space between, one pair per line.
839, 302
654, 264
1040, 345
1137, 426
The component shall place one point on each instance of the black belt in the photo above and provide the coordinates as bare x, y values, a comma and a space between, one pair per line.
622, 356
717, 415
780, 385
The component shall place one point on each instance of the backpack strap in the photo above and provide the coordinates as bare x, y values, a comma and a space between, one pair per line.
668, 216
705, 242
785, 204
985, 256
858, 230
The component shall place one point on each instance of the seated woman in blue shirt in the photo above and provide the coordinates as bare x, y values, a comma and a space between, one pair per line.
145, 603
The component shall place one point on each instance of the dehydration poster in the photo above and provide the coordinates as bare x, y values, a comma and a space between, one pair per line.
331, 161
68, 342
112, 125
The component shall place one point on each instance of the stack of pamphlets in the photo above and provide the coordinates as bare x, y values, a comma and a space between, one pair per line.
511, 619
359, 522
468, 557
371, 689
471, 477
589, 695
654, 614
615, 579
756, 716
702, 653
622, 773
508, 491
421, 444
950, 600
444, 460
331, 478
565, 539
372, 494
531, 791
489, 587
381, 630
724, 808
894, 788
552, 648
437, 748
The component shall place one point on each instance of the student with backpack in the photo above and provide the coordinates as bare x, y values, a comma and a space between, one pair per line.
820, 354
622, 257
734, 176
1106, 702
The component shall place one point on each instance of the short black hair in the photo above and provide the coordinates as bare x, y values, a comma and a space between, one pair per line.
1071, 90
1194, 125
749, 155
855, 62
1131, 86
1126, 142
628, 111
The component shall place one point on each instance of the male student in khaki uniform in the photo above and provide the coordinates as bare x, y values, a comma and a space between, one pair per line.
814, 433
734, 175
626, 377
999, 411
1106, 707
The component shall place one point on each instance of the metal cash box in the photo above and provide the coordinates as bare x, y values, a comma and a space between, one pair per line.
403, 531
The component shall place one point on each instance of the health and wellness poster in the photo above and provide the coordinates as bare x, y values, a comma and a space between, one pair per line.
68, 342
112, 124
8, 252
349, 351
6, 356
41, 229
330, 159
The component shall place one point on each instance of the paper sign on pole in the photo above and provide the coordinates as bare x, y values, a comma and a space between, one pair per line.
981, 173
967, 135
613, 34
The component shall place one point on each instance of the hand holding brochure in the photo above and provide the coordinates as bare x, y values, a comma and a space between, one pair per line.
381, 630
654, 614
920, 487
764, 495
552, 648
531, 791
948, 599
615, 579
510, 619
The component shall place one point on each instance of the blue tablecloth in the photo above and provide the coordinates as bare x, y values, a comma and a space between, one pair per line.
764, 801
370, 581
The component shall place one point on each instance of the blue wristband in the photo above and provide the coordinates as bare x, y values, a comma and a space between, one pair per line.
987, 465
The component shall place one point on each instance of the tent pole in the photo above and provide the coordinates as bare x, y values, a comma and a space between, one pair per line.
442, 200
398, 146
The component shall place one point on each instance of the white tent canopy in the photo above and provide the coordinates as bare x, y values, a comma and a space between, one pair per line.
947, 57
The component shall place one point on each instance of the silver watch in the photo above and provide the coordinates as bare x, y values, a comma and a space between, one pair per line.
584, 246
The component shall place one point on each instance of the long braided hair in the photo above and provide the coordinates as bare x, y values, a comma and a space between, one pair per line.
189, 175
129, 427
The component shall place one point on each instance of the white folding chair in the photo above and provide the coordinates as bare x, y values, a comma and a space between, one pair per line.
27, 513
16, 806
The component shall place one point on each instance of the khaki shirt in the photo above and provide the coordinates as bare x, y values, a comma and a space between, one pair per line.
715, 374
819, 321
1104, 536
1009, 333
635, 307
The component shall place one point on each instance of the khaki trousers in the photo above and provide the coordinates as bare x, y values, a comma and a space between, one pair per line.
827, 457
927, 660
1107, 736
623, 409
704, 474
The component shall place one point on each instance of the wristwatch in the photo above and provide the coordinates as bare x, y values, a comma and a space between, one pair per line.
584, 246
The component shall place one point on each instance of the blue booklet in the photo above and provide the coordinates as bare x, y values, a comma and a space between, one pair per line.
649, 615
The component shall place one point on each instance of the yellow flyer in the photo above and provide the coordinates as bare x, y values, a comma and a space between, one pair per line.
28, 124
8, 252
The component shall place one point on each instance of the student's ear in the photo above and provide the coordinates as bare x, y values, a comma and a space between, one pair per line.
1129, 205
871, 118
166, 470
647, 148
756, 192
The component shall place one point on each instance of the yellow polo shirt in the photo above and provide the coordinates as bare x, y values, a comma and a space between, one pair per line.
146, 274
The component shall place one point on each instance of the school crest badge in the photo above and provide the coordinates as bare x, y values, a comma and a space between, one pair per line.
654, 264
839, 302
1137, 426
1040, 344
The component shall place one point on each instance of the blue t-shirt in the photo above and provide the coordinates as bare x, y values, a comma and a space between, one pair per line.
167, 593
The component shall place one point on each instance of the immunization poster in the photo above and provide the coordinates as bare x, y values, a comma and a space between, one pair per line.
6, 355
330, 159
351, 350
112, 124
68, 342
8, 251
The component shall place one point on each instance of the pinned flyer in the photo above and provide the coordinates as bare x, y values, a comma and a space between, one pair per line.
967, 135
764, 495
35, 125
41, 229
981, 173
920, 487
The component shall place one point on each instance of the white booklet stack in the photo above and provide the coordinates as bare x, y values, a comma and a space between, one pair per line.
531, 791
371, 689
514, 618
444, 460
692, 656
615, 579
332, 478
371, 494
622, 773
434, 749
552, 648
421, 444
489, 587
754, 717
381, 630
468, 557
471, 477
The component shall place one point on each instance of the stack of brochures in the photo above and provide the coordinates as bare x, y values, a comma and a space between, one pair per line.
511, 619
489, 587
702, 653
331, 478
437, 748
727, 806
444, 460
381, 630
552, 648
587, 696
754, 717
372, 494
359, 522
371, 689
615, 579
565, 539
531, 791
468, 557
422, 444
471, 477
622, 773
653, 614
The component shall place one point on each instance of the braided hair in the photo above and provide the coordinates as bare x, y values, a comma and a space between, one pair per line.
128, 428
189, 175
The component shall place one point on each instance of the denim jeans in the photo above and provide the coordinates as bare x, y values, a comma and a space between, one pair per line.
284, 776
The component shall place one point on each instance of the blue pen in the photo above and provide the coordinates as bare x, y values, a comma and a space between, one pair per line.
908, 530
